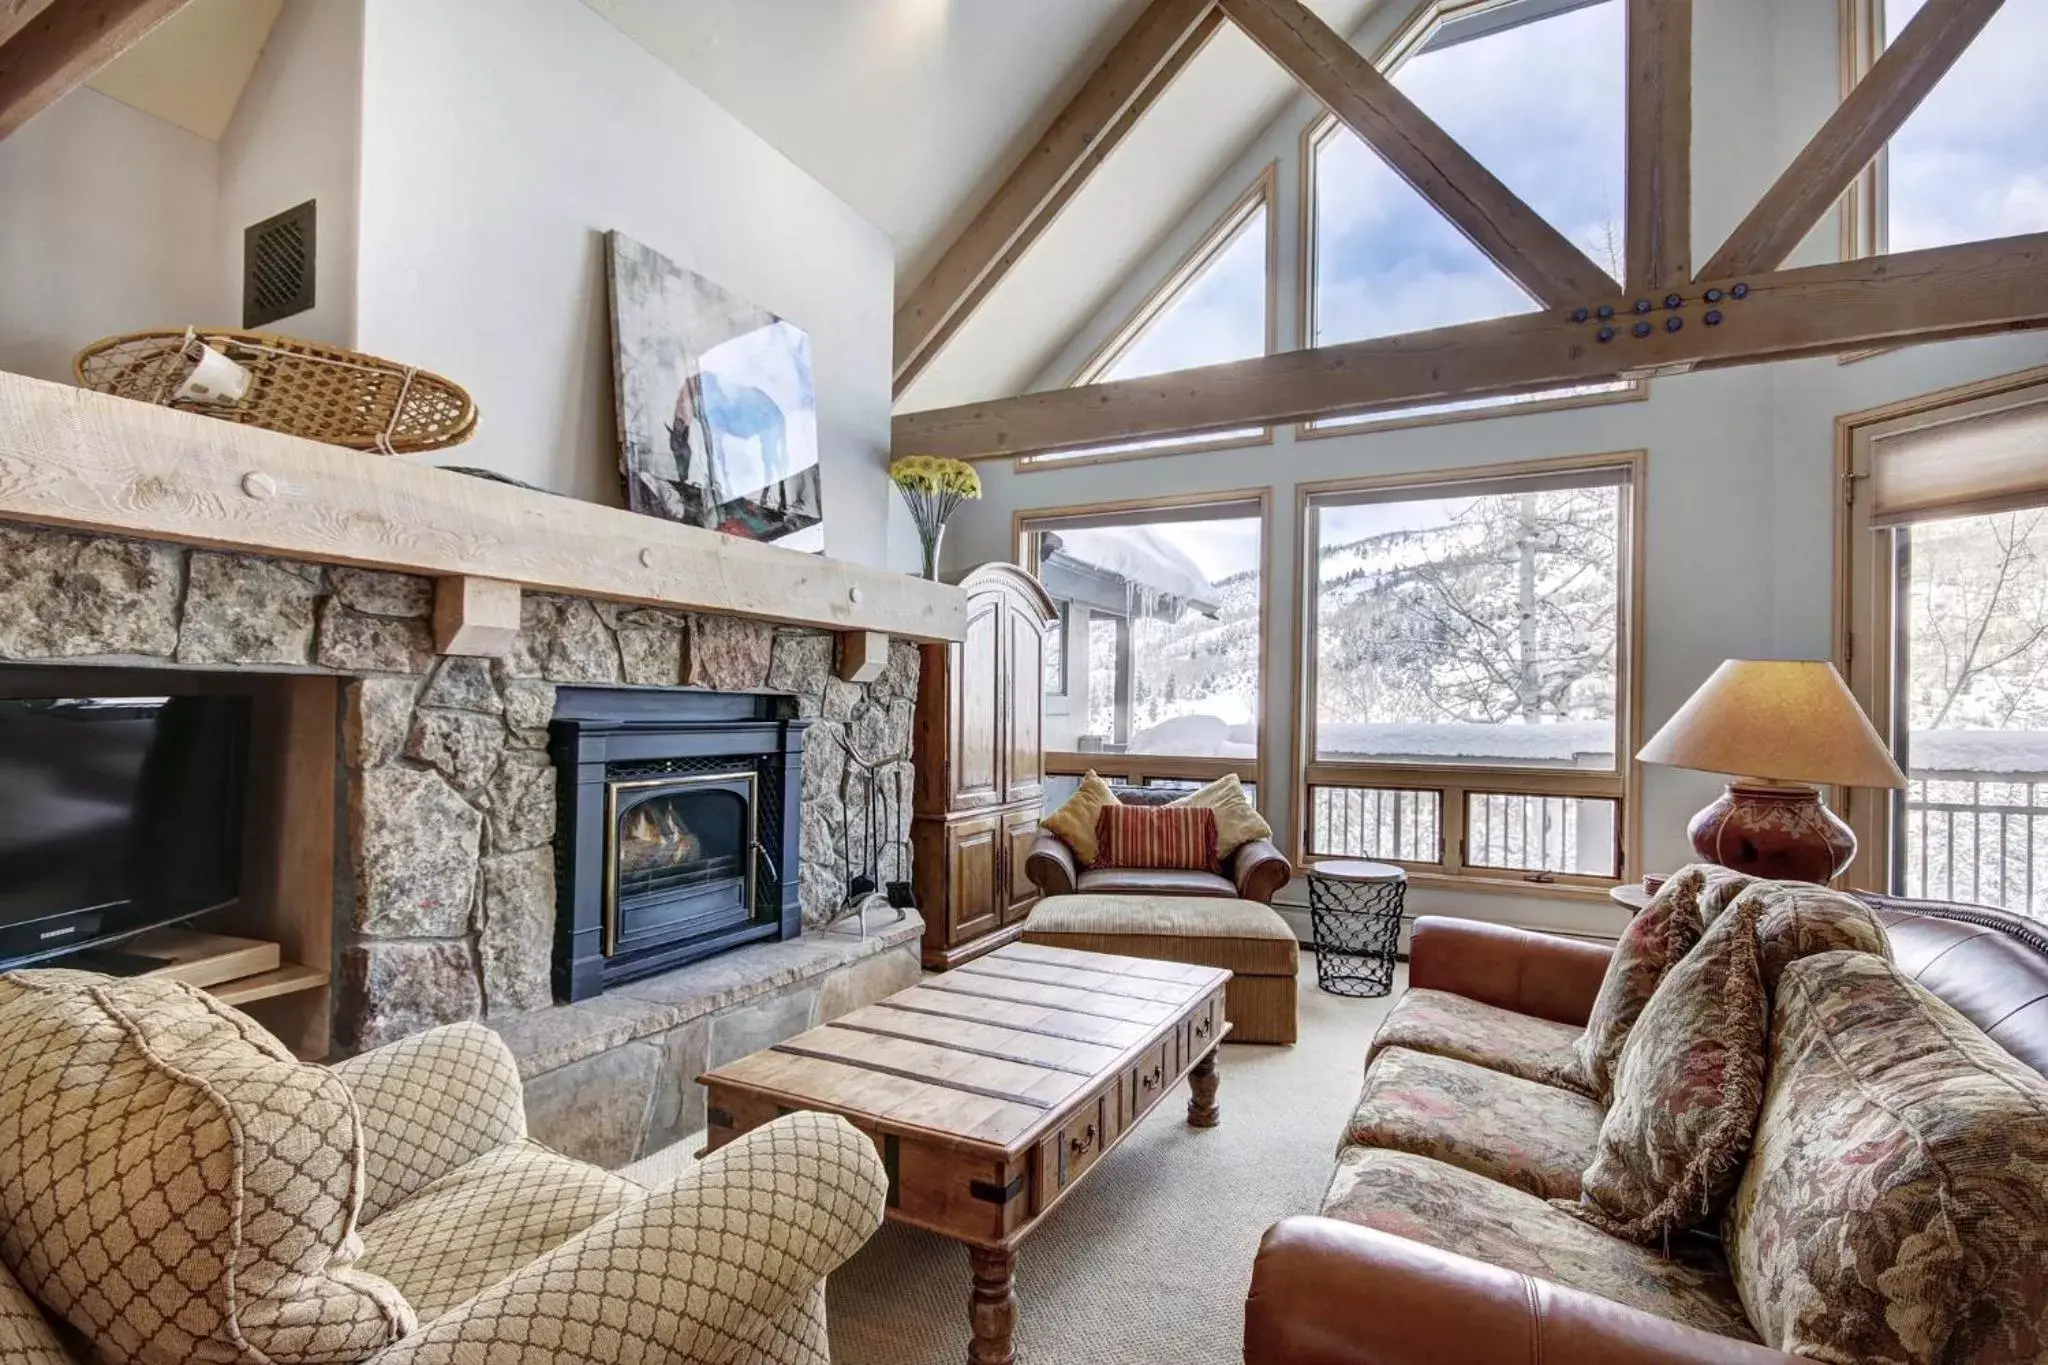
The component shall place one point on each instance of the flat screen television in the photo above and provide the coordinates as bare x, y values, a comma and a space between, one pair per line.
117, 814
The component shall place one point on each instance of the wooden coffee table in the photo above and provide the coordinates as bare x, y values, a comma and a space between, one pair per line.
992, 1089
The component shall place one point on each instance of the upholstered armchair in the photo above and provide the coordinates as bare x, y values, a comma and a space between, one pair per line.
1254, 872
390, 1209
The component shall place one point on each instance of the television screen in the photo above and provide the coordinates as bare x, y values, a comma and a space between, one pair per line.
116, 814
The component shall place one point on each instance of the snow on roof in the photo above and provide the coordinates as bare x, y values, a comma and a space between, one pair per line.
1566, 742
1570, 742
1141, 556
1988, 752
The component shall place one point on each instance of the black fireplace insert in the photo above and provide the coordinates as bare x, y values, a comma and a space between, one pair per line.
678, 829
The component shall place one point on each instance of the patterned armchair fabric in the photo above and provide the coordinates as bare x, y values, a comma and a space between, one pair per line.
175, 1186
721, 1266
431, 1104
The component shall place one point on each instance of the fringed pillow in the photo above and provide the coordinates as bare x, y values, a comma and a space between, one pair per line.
1660, 934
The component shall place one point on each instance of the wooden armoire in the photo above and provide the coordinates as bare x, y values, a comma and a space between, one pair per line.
980, 768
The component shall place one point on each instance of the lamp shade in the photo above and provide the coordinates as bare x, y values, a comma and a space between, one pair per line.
1789, 720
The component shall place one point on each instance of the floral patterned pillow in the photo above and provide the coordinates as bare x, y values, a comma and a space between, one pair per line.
1686, 1089
1896, 1206
1660, 934
1800, 919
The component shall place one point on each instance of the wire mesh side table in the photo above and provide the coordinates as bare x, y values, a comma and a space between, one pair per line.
1355, 909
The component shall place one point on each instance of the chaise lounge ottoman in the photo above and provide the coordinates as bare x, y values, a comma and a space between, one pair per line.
1247, 938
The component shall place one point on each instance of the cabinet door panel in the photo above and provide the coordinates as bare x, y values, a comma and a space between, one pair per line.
1024, 719
974, 899
976, 707
1020, 831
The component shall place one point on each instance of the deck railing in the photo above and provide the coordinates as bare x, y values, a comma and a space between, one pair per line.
1979, 837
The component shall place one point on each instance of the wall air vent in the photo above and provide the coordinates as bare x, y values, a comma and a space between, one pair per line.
277, 266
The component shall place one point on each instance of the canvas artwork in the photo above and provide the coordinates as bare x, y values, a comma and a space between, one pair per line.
718, 422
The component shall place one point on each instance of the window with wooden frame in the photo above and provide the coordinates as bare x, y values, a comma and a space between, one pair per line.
1970, 163
1942, 624
1164, 632
1378, 260
1469, 670
1216, 305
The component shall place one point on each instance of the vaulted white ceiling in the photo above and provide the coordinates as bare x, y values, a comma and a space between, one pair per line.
913, 111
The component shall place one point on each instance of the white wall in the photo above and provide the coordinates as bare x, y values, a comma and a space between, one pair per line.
106, 225
293, 137
501, 140
1741, 492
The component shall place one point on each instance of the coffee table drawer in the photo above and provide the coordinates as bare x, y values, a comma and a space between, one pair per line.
1204, 1027
1147, 1080
1069, 1152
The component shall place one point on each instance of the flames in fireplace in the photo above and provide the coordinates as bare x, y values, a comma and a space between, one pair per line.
679, 857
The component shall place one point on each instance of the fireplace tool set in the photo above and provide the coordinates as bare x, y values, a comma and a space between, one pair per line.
865, 885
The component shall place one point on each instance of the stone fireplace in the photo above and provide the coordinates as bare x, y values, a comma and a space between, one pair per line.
678, 832
445, 881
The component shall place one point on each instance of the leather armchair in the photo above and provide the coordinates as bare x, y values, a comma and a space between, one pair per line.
1331, 1293
1254, 872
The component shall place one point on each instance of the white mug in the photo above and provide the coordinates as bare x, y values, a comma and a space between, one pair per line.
215, 379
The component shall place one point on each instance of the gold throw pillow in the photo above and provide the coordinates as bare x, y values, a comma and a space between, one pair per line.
1238, 822
1074, 822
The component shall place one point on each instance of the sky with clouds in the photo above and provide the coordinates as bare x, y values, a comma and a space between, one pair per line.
1542, 106
1972, 161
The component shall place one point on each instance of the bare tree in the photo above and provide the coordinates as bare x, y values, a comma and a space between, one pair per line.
1508, 610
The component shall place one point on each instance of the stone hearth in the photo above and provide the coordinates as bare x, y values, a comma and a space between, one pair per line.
445, 895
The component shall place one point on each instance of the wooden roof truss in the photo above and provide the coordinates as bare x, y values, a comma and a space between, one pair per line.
1742, 307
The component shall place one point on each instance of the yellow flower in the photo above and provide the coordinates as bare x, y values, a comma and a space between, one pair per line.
931, 474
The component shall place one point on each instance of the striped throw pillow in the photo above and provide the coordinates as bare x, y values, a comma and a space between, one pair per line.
1180, 837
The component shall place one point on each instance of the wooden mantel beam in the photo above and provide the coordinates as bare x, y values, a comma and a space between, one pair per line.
1932, 295
60, 45
1659, 227
1514, 236
87, 461
1858, 129
1163, 40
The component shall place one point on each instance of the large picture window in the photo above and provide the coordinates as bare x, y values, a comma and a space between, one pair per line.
1382, 261
1970, 162
1163, 611
1469, 669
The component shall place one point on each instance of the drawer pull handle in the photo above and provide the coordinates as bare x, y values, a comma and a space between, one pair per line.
1079, 1146
1203, 1028
1152, 1078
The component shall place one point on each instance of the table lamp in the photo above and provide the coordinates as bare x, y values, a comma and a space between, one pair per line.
1783, 726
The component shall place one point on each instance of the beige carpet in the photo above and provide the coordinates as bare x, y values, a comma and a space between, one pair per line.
1149, 1259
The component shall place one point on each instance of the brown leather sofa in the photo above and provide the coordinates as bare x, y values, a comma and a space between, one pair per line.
1254, 872
1326, 1292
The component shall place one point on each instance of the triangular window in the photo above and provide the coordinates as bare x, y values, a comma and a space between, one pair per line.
1970, 163
1216, 305
1384, 261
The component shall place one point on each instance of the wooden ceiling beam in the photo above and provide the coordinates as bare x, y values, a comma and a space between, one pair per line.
1514, 236
15, 14
60, 46
1932, 295
1659, 227
1862, 123
1163, 40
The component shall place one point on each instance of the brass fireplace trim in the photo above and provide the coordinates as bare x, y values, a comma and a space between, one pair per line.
749, 855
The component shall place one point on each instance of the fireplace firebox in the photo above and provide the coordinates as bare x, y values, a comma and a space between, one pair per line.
678, 832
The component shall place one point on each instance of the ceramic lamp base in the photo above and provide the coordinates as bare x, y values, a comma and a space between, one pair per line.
1781, 831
